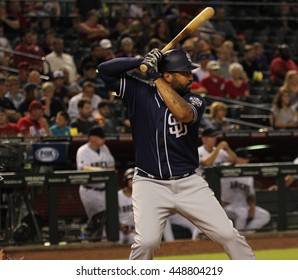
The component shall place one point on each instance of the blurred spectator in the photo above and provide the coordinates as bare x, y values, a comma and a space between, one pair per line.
218, 112
7, 128
12, 19
14, 94
161, 30
221, 24
126, 48
93, 57
90, 75
226, 56
60, 90
48, 41
35, 78
33, 124
83, 6
107, 51
202, 46
30, 94
105, 119
250, 64
24, 70
90, 30
290, 85
52, 8
216, 41
84, 122
88, 92
28, 47
52, 105
61, 126
202, 72
59, 59
11, 111
261, 56
135, 10
136, 33
236, 86
189, 46
197, 88
119, 27
281, 64
283, 116
4, 43
214, 83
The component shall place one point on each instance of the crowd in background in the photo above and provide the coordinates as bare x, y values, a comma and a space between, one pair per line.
50, 51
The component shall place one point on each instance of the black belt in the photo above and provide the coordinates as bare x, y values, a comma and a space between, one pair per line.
95, 189
143, 174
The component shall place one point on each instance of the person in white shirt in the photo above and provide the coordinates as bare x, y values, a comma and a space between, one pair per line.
211, 153
126, 221
88, 92
58, 60
237, 193
94, 156
238, 198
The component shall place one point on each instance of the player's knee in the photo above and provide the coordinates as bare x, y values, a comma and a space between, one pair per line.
266, 217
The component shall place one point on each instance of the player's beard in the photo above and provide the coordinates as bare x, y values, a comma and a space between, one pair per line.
181, 89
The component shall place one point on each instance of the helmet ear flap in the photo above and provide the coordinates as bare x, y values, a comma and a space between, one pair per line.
128, 174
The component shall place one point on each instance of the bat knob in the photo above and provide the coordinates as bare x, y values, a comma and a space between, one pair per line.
143, 68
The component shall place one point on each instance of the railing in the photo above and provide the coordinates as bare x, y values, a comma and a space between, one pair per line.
32, 56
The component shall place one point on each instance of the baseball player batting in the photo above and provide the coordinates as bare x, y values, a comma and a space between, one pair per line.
164, 120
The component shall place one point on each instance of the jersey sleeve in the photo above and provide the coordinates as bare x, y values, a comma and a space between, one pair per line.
198, 105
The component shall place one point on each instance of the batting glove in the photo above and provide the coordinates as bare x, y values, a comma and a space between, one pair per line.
151, 60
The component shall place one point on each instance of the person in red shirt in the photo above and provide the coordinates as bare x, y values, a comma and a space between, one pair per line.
33, 125
281, 64
7, 128
27, 47
214, 83
236, 86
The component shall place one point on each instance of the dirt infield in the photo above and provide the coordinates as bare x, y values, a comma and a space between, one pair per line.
112, 251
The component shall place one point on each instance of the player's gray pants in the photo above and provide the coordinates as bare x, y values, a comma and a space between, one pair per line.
192, 198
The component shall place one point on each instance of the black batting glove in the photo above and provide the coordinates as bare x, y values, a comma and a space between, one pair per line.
151, 60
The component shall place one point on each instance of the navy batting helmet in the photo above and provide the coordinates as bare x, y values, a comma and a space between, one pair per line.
128, 174
176, 60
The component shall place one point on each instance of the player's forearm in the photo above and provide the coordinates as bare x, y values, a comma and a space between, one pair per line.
181, 110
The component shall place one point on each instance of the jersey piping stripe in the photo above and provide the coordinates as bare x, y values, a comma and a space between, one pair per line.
195, 114
155, 97
157, 151
122, 86
165, 141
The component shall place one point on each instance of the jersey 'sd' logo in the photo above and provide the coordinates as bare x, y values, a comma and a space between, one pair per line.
177, 128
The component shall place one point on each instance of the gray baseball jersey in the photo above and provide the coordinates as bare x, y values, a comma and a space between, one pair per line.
93, 197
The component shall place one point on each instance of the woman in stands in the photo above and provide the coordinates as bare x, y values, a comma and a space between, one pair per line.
236, 86
291, 85
283, 116
90, 29
218, 111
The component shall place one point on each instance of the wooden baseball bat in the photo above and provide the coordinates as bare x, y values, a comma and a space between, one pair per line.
202, 17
